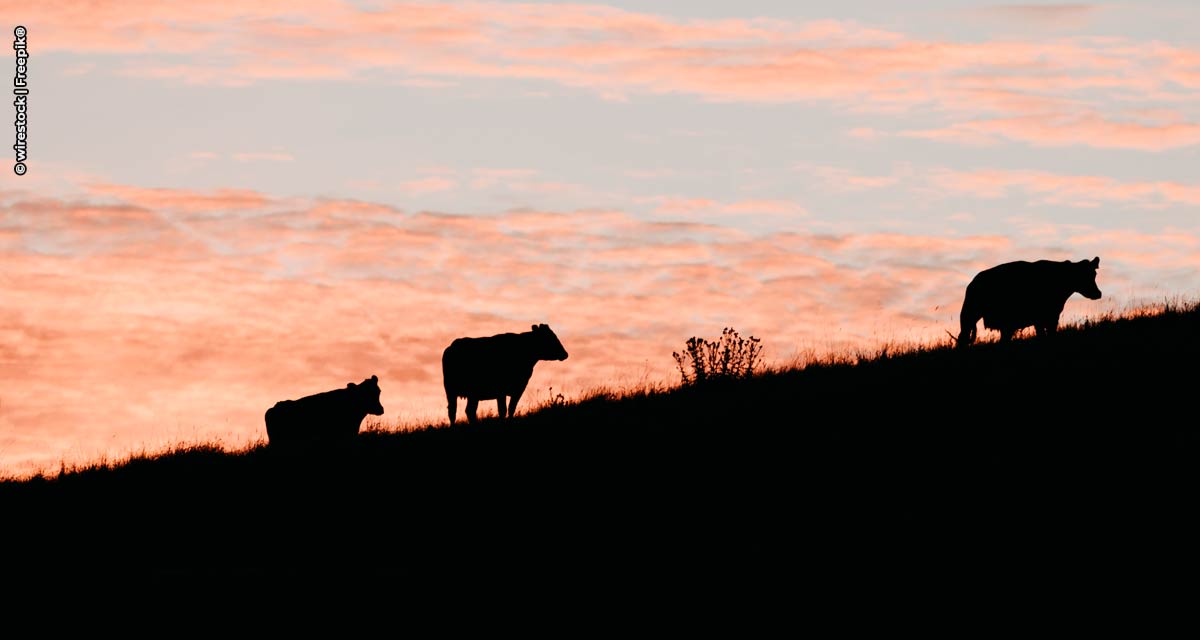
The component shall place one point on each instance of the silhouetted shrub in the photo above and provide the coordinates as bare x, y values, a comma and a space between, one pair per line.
730, 356
556, 400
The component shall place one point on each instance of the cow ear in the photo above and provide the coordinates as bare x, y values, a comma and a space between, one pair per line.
1096, 262
534, 327
374, 378
349, 385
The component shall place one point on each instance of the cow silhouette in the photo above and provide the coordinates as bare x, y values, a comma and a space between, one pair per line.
332, 416
1015, 295
495, 368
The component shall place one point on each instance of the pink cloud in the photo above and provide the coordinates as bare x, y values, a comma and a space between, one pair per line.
1059, 129
776, 207
489, 177
181, 199
958, 133
179, 315
991, 90
1044, 15
1068, 190
682, 207
840, 179
543, 187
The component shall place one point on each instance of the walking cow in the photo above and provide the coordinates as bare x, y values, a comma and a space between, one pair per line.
1015, 295
324, 417
495, 368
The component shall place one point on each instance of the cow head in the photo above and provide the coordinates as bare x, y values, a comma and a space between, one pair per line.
1085, 278
548, 346
367, 395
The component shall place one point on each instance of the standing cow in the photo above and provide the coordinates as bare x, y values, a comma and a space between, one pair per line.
324, 417
1015, 295
494, 368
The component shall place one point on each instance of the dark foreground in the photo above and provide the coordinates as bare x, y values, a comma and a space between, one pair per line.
1075, 456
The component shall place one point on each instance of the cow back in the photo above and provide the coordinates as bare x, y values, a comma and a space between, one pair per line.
1017, 294
336, 414
488, 367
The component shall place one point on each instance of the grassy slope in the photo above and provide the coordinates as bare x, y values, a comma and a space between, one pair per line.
998, 454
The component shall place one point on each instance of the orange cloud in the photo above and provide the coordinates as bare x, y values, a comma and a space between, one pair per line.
1068, 190
489, 177
1044, 15
182, 199
678, 207
840, 179
1064, 91
682, 207
1061, 129
139, 317
769, 207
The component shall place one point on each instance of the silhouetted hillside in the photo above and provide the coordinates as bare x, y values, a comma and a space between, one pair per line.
928, 458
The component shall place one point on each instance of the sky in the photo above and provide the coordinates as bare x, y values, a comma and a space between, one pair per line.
227, 204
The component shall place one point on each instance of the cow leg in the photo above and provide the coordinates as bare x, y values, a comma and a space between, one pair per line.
1006, 334
452, 407
512, 404
500, 407
966, 333
968, 318
472, 408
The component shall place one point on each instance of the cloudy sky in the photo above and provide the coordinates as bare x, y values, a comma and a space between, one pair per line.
229, 203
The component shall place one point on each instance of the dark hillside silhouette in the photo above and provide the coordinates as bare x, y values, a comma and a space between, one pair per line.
331, 416
1075, 456
495, 368
1015, 295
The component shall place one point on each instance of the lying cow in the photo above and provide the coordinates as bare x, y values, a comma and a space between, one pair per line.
325, 417
494, 368
1015, 295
